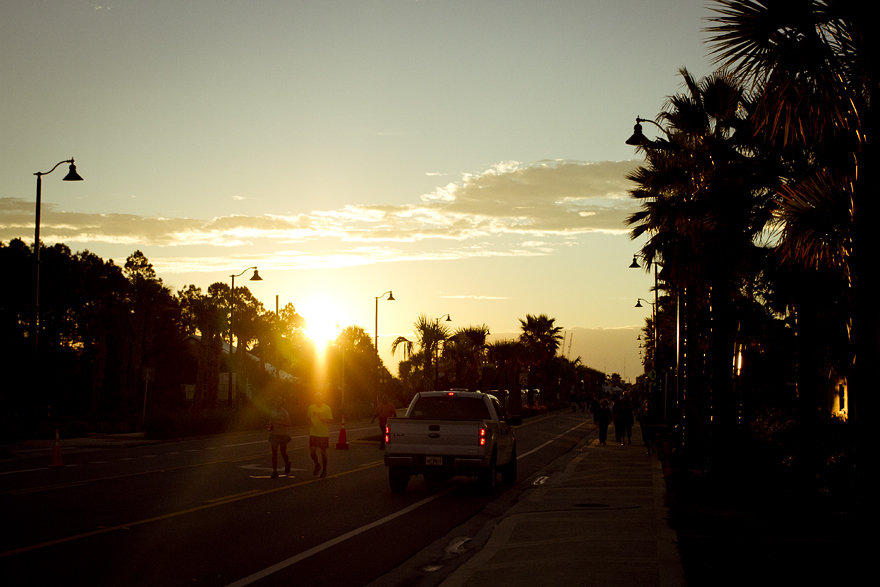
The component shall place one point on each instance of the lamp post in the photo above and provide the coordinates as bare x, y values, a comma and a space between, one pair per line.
233, 384
656, 311
390, 299
654, 321
656, 305
436, 352
72, 175
376, 343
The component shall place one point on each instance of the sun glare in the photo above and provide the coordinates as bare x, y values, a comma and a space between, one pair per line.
322, 322
321, 331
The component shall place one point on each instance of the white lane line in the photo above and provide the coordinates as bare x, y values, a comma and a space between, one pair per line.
46, 468
536, 449
321, 547
312, 551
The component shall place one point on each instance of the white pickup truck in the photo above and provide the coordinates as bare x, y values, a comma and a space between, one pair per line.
448, 433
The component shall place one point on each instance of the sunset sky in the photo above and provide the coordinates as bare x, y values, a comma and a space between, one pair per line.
469, 156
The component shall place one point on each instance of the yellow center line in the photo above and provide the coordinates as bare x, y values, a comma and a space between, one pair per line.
207, 505
231, 497
44, 488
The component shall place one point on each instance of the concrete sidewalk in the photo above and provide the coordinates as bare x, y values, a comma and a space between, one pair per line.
600, 520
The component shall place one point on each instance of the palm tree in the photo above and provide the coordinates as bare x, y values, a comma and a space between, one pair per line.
541, 339
815, 64
507, 357
465, 351
204, 315
431, 335
402, 342
704, 202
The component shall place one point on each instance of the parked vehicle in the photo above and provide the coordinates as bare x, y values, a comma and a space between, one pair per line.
448, 433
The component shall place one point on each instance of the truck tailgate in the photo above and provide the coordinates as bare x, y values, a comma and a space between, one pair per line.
434, 437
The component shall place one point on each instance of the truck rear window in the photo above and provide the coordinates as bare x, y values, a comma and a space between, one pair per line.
450, 408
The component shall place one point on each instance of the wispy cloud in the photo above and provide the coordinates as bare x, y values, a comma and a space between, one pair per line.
509, 209
473, 297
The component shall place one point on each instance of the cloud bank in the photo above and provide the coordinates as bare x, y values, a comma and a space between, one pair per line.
509, 209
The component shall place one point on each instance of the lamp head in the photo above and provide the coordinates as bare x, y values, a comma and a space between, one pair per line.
256, 276
390, 297
72, 175
637, 138
634, 264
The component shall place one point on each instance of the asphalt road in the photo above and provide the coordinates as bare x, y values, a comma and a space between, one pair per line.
206, 512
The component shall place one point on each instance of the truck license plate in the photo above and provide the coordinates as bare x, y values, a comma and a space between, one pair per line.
434, 461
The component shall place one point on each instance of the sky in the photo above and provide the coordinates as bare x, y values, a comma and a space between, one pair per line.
466, 155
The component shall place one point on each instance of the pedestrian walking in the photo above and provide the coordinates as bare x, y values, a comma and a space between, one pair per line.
623, 422
384, 411
615, 418
279, 420
603, 418
319, 416
648, 424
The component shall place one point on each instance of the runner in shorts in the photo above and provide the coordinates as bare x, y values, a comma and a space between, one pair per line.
319, 416
278, 436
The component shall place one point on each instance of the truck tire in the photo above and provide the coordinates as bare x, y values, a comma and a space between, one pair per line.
508, 472
398, 478
486, 479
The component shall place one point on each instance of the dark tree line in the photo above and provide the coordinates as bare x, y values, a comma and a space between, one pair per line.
757, 201
115, 345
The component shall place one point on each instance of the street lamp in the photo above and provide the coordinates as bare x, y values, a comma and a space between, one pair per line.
638, 139
376, 343
390, 299
437, 352
72, 175
655, 307
233, 384
654, 320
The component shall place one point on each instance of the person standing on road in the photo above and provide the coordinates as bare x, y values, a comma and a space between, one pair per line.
319, 416
279, 420
384, 411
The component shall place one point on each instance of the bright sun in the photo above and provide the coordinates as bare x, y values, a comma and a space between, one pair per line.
322, 323
321, 332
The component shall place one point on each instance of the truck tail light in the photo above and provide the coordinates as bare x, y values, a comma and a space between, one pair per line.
482, 437
387, 433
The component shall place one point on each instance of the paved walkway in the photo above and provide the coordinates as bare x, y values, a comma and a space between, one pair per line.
600, 520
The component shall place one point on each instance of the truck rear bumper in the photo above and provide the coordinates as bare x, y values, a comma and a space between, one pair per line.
398, 461
456, 463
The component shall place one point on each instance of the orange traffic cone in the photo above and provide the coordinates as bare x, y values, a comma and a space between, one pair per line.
343, 441
56, 450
